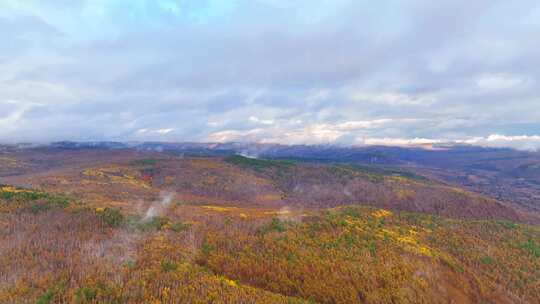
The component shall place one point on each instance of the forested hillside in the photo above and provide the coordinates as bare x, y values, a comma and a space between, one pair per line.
137, 227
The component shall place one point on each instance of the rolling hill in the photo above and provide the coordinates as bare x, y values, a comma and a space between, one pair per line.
117, 224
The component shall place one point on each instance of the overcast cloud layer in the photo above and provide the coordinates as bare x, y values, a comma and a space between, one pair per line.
327, 71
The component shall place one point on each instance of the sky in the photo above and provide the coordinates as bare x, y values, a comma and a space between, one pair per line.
347, 72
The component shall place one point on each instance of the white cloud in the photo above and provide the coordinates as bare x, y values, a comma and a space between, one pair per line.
158, 131
392, 98
234, 135
164, 131
496, 82
397, 141
294, 132
363, 124
303, 73
261, 121
521, 142
315, 134
328, 133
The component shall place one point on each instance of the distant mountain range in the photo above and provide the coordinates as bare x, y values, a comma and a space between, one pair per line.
371, 154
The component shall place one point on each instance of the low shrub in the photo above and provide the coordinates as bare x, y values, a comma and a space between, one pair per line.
111, 217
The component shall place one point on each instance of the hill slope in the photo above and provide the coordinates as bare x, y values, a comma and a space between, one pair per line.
65, 252
126, 178
124, 226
